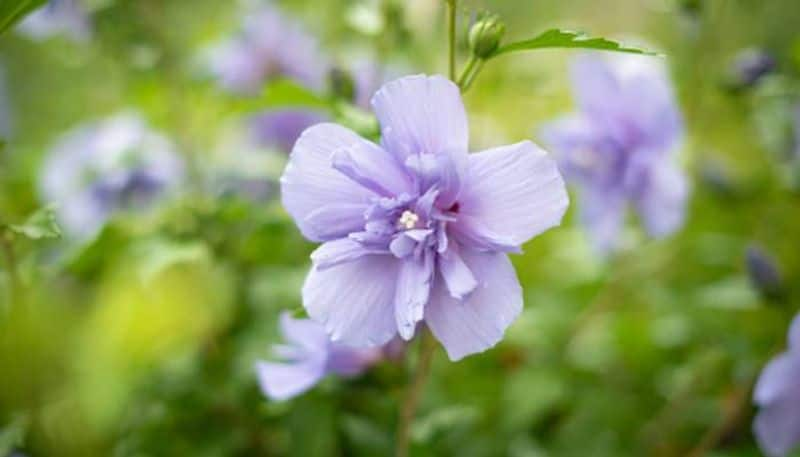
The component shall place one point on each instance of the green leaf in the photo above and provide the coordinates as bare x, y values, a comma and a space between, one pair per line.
11, 11
39, 225
283, 93
556, 38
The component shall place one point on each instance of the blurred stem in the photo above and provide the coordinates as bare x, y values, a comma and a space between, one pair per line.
736, 407
427, 346
451, 32
10, 255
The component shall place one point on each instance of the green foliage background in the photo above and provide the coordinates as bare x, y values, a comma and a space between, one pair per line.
142, 342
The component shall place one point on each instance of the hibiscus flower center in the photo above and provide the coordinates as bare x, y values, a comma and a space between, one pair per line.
408, 220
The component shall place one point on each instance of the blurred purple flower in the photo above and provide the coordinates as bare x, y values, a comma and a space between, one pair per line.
763, 272
99, 168
777, 393
416, 229
750, 66
617, 148
58, 17
269, 45
308, 357
280, 129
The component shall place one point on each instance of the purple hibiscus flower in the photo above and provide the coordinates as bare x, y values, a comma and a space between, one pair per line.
58, 17
416, 229
269, 45
308, 357
103, 167
777, 393
618, 148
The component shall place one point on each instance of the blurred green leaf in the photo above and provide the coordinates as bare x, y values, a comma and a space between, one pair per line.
448, 418
557, 38
159, 255
39, 225
284, 93
13, 435
12, 11
89, 258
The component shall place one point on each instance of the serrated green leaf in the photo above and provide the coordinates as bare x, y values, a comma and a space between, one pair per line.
557, 38
12, 11
39, 225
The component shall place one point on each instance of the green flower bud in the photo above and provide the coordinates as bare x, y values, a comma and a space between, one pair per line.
485, 36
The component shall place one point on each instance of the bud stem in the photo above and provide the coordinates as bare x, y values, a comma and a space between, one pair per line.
473, 67
451, 25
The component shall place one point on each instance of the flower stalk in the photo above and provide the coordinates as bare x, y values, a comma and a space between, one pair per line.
451, 34
427, 346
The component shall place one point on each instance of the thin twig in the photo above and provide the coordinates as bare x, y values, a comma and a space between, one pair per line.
731, 420
408, 409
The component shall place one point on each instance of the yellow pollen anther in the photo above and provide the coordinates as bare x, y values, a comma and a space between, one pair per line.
408, 220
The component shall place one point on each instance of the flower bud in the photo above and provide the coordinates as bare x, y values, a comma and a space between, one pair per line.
342, 84
485, 36
750, 67
764, 273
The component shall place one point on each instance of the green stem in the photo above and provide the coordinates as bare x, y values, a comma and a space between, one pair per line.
451, 25
471, 71
427, 346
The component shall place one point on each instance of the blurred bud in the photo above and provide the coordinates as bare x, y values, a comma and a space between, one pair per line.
485, 36
342, 84
749, 67
764, 273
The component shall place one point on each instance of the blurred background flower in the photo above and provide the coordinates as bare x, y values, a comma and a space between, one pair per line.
619, 148
58, 17
98, 169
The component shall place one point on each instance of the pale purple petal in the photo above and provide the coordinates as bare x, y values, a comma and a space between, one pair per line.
310, 182
422, 114
794, 334
777, 427
237, 68
347, 361
337, 252
336, 220
479, 322
355, 300
413, 290
515, 191
595, 86
456, 274
372, 167
282, 381
662, 202
603, 213
303, 333
281, 129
